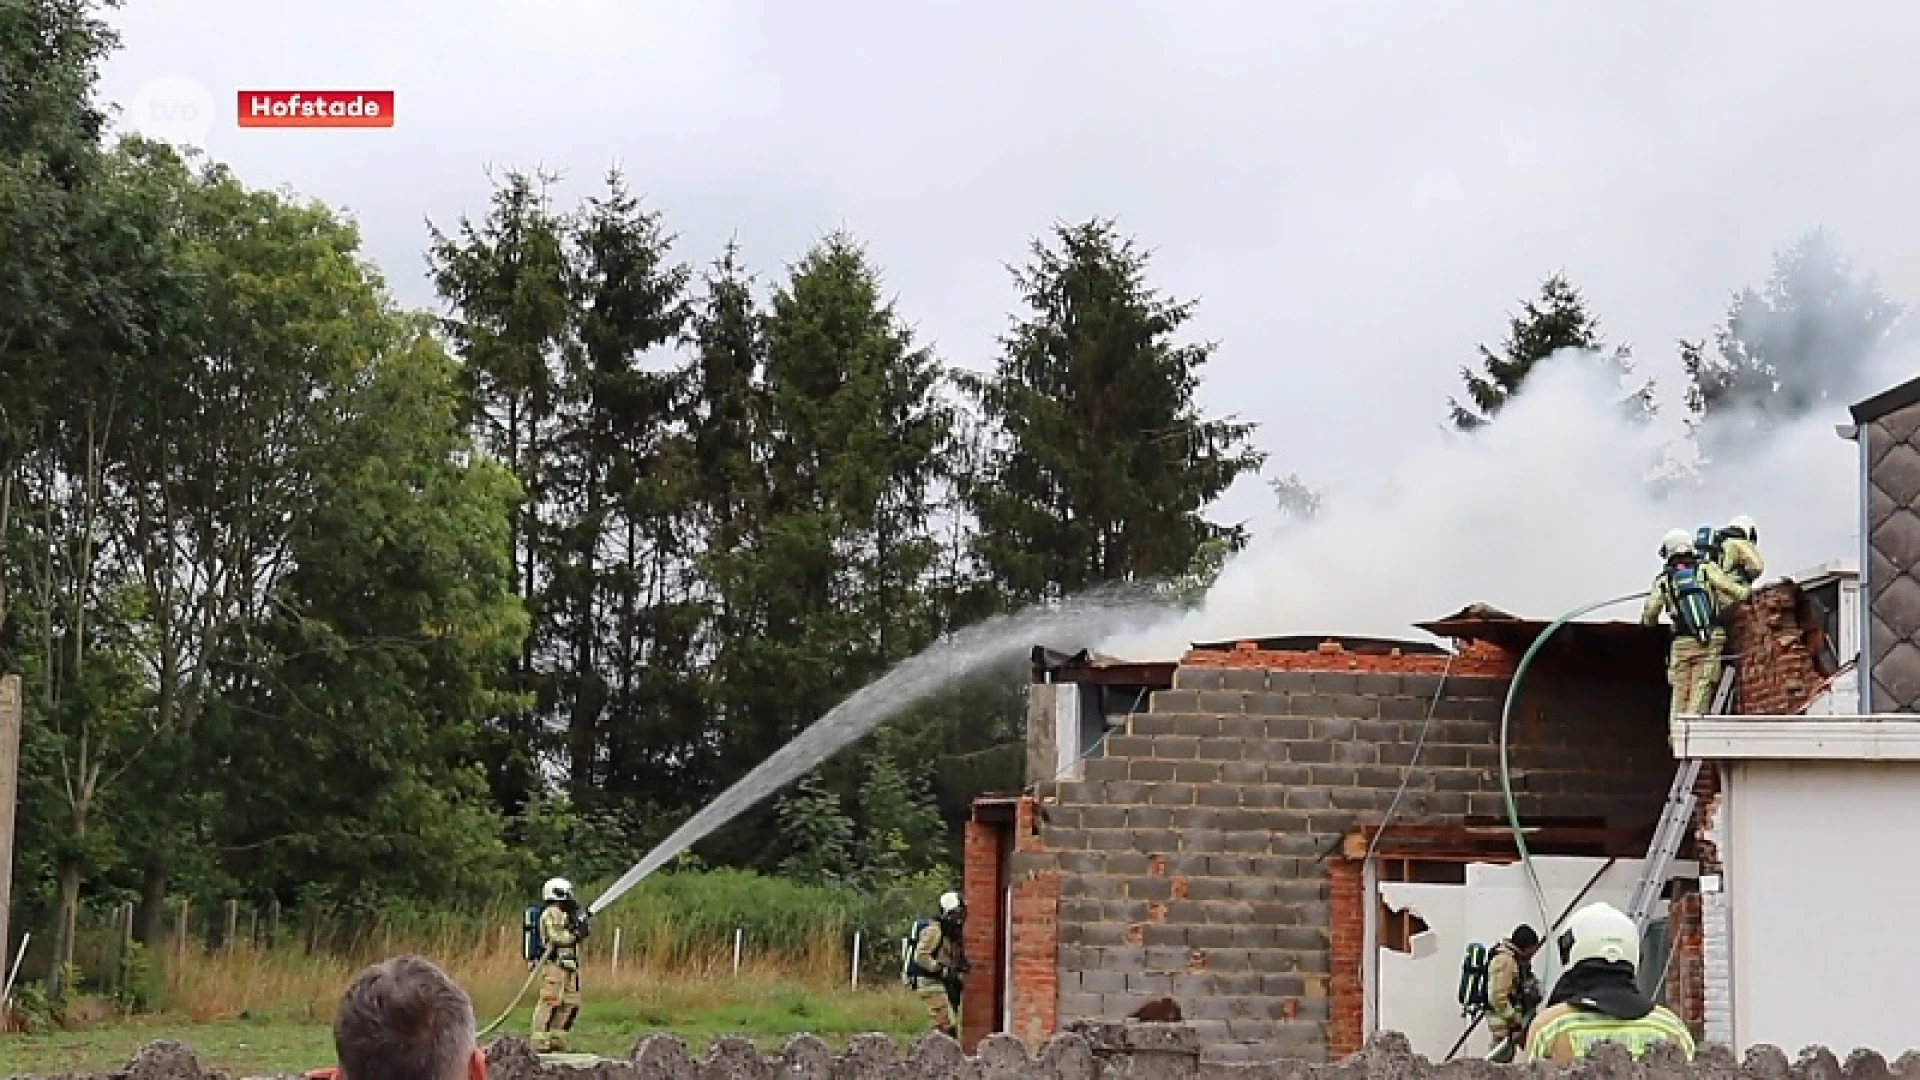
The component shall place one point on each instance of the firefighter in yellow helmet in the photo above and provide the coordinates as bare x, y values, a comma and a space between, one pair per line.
1739, 544
1598, 1000
1694, 593
563, 926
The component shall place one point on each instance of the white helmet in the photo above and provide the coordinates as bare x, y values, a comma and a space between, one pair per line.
558, 888
1746, 527
1600, 932
1676, 542
949, 903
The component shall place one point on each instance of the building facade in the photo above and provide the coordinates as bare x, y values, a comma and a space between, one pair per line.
1294, 839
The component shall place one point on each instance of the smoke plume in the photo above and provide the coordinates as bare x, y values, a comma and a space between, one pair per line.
1560, 502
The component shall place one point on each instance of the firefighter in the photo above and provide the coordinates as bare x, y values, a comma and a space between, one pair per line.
938, 964
1513, 991
1694, 593
1598, 999
563, 925
1740, 550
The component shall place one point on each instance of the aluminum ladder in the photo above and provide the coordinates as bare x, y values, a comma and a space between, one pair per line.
1671, 833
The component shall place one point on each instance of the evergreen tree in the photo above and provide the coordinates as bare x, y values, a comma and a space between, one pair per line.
1104, 465
1804, 340
1558, 319
824, 551
624, 688
1296, 500
510, 286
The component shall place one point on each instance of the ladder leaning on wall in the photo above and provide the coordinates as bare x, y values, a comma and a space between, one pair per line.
1675, 820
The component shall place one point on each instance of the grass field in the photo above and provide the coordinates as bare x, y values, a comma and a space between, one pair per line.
767, 1011
254, 1011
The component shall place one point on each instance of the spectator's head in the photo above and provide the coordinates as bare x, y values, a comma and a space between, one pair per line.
404, 1019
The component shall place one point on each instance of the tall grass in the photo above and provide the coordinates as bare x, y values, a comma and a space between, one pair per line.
676, 948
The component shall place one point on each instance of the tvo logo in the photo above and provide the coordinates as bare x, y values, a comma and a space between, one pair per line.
172, 109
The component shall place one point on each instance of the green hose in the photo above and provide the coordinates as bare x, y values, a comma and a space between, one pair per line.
1506, 776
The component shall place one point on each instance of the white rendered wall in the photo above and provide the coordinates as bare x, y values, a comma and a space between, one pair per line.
1417, 990
1822, 885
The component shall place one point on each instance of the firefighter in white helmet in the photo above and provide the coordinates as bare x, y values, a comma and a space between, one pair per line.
563, 926
1694, 593
1598, 999
937, 964
1739, 544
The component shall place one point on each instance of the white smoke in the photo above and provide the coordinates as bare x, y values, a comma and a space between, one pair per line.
1548, 508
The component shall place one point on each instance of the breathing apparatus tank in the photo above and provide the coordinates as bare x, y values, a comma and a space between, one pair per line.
531, 947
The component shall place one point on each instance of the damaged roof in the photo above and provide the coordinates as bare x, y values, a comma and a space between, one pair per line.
1366, 646
1086, 666
1595, 641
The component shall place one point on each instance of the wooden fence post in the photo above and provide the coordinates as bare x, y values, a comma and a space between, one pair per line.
180, 930
233, 924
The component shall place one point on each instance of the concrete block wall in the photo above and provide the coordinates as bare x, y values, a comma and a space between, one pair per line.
1192, 858
1093, 1052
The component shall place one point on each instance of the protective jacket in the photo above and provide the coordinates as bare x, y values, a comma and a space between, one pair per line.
1567, 1032
1724, 589
1512, 991
1597, 1002
1740, 558
556, 929
934, 954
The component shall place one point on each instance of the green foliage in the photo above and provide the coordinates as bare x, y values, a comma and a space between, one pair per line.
1191, 587
142, 983
817, 834
1103, 465
35, 1007
1557, 320
330, 605
900, 828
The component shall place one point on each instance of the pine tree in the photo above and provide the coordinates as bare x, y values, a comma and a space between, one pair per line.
1804, 340
1104, 465
1558, 319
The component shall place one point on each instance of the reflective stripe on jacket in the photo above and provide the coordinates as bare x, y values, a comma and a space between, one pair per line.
1565, 1033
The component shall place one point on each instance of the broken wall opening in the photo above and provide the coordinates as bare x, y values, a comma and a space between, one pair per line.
1439, 888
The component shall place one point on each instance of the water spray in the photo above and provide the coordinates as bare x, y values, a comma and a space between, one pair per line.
976, 650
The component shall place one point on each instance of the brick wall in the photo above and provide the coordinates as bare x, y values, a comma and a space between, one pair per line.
1034, 993
1686, 986
979, 1012
1190, 857
1774, 639
1346, 950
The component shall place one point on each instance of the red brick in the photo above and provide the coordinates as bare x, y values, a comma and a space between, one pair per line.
1346, 958
1774, 639
981, 887
1472, 658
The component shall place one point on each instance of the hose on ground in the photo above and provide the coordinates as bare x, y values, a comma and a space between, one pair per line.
515, 1004
1506, 772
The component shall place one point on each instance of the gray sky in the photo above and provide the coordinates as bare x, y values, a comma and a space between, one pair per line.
1356, 193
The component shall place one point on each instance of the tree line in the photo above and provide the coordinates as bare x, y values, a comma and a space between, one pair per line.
327, 602
1809, 338
324, 600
